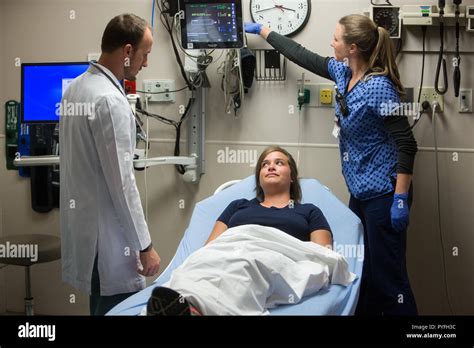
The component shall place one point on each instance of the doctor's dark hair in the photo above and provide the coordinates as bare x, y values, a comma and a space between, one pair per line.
374, 45
295, 189
123, 29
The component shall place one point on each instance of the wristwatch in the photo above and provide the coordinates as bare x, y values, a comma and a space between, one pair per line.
148, 248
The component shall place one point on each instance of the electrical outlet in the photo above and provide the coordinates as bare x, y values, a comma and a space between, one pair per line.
325, 96
322, 95
430, 95
160, 90
465, 100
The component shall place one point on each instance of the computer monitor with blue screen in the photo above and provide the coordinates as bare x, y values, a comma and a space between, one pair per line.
208, 24
42, 87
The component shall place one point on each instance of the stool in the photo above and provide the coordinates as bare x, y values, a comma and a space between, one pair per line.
48, 249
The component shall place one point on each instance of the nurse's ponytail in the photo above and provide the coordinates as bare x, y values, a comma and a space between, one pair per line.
375, 46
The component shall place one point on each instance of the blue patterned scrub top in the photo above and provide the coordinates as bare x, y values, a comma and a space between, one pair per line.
368, 151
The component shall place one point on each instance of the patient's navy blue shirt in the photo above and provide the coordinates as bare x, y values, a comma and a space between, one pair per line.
298, 221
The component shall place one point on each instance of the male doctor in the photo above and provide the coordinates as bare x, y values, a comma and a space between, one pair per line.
106, 247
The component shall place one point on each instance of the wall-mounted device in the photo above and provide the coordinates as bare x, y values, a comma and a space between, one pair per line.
417, 14
388, 17
470, 18
207, 24
42, 87
160, 90
465, 100
430, 15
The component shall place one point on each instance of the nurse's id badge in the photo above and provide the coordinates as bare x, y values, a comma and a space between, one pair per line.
336, 130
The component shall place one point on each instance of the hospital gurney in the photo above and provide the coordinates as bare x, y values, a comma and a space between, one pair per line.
348, 239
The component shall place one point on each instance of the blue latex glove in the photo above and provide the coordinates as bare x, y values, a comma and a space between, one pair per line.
399, 212
253, 28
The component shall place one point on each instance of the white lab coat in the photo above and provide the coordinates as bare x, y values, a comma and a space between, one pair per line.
100, 208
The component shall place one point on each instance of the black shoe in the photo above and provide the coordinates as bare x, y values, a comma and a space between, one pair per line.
166, 301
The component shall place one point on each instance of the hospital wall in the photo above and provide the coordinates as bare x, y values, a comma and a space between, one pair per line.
44, 30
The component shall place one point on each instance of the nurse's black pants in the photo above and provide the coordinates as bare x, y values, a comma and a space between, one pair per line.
385, 288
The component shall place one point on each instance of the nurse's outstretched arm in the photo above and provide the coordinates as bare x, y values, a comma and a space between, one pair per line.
296, 53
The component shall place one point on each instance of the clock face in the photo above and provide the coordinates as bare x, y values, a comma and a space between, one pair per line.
286, 17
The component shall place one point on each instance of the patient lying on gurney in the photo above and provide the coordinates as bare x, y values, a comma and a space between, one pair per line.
274, 251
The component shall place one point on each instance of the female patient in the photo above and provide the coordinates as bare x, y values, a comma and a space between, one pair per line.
277, 205
277, 202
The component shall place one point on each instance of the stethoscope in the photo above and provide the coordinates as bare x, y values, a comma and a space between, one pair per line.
138, 122
108, 77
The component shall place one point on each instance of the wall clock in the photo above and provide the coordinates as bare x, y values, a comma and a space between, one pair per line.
286, 17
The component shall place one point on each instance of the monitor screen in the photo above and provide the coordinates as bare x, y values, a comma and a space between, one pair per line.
208, 24
42, 87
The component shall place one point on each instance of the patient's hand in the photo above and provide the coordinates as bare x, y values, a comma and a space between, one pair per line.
150, 261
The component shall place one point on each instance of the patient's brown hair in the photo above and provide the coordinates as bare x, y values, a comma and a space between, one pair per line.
295, 189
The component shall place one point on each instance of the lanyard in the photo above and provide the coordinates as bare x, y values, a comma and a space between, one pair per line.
341, 100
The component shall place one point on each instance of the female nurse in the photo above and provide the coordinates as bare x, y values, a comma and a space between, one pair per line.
377, 150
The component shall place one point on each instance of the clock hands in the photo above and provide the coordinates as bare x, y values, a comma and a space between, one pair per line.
265, 9
284, 8
281, 7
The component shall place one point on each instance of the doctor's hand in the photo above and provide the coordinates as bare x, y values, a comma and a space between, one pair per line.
399, 212
253, 28
150, 261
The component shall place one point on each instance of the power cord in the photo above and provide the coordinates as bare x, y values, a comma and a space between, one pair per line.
425, 106
457, 58
180, 168
434, 107
168, 27
169, 122
146, 157
177, 90
232, 83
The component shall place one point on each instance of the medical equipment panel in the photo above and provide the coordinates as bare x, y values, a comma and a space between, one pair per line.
388, 17
210, 24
